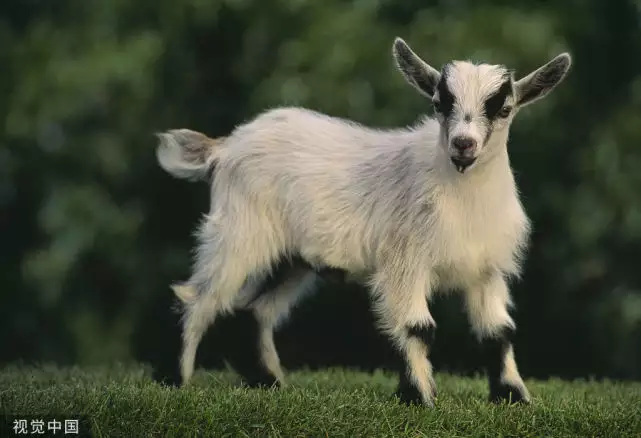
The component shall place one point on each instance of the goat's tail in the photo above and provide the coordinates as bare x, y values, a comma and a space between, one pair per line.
187, 154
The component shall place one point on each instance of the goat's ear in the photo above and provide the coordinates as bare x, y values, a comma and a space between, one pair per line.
416, 71
541, 81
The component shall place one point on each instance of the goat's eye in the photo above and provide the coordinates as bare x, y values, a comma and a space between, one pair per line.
505, 111
437, 106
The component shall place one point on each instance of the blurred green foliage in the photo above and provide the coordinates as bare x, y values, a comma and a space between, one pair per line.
93, 231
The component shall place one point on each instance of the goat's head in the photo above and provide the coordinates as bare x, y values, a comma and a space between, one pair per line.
476, 103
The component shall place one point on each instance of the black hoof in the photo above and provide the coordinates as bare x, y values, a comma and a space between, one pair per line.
170, 379
262, 383
409, 395
408, 398
510, 394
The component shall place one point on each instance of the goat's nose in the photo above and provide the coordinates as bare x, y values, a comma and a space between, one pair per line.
463, 143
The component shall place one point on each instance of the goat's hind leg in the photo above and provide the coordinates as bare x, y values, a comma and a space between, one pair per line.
198, 314
270, 305
220, 272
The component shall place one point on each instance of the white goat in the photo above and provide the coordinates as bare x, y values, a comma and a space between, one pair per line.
409, 210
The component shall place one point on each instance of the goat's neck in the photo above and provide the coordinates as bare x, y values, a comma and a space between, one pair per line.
489, 183
491, 173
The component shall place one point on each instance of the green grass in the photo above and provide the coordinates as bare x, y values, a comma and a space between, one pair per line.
125, 402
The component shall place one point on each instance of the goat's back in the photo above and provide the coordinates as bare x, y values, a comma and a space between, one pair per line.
325, 183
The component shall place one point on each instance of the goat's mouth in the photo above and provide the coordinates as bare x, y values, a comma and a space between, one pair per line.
462, 163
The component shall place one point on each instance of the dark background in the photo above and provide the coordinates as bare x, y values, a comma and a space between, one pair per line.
93, 231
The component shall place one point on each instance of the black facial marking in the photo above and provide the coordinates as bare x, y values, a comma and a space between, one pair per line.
412, 68
445, 97
495, 102
495, 349
544, 80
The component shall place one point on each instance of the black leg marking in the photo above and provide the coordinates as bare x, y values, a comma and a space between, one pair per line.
424, 333
407, 391
335, 275
495, 350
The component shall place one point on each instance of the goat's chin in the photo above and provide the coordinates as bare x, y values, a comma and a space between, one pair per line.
462, 164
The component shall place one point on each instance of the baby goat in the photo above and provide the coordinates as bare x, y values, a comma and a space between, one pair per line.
410, 211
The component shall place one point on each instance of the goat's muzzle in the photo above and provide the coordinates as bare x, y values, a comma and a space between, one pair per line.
462, 163
464, 149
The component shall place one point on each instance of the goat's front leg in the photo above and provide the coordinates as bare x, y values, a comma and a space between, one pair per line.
488, 310
404, 315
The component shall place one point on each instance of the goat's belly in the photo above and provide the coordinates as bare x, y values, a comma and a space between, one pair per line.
345, 255
460, 274
344, 248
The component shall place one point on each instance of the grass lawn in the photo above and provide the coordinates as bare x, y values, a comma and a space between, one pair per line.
125, 402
